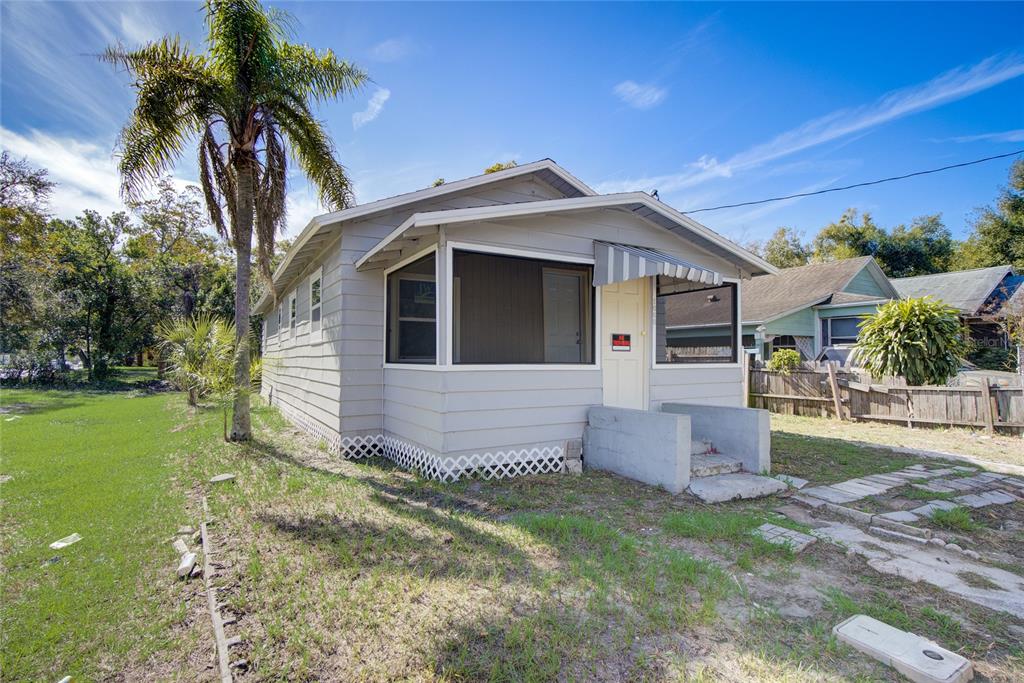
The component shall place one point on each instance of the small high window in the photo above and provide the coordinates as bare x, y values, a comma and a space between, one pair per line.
315, 284
695, 323
412, 312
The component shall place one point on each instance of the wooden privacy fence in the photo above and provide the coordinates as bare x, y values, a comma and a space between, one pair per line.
825, 390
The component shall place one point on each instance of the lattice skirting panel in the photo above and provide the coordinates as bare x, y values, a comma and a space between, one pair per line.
490, 465
497, 465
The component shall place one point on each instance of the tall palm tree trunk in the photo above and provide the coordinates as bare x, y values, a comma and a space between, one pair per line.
241, 423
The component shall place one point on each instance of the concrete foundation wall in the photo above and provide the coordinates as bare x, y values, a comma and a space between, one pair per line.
743, 433
647, 446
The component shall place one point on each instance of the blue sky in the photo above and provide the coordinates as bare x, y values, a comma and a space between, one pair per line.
709, 104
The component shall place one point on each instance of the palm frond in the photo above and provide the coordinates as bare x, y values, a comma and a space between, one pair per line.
176, 92
312, 149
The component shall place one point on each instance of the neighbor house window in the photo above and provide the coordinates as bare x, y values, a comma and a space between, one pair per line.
412, 312
514, 310
785, 341
840, 330
694, 323
315, 286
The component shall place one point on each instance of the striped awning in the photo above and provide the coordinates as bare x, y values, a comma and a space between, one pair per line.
621, 262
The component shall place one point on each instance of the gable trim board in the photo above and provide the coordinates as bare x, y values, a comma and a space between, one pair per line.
494, 417
318, 223
639, 203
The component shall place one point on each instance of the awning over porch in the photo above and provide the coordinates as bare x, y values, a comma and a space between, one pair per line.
621, 262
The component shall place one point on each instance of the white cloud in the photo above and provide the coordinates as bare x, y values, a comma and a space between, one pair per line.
85, 172
1004, 136
948, 87
640, 95
137, 28
391, 50
373, 108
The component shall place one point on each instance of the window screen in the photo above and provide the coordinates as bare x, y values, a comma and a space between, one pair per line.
412, 313
844, 330
695, 325
512, 310
314, 300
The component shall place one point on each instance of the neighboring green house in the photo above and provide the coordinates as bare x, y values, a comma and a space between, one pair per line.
811, 307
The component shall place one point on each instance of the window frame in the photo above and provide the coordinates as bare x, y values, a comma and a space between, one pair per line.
413, 365
449, 301
293, 312
318, 325
828, 325
738, 340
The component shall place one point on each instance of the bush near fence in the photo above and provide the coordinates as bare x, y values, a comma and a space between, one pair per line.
807, 390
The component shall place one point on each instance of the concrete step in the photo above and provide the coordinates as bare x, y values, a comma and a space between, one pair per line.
723, 487
710, 465
700, 447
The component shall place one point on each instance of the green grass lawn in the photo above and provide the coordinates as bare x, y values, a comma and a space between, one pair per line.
102, 464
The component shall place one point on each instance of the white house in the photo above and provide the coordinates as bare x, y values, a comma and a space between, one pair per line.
470, 326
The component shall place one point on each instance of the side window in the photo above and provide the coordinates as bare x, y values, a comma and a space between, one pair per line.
292, 311
315, 292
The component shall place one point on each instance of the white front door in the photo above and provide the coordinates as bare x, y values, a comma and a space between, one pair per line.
624, 343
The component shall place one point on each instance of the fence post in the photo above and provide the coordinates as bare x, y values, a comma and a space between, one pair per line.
834, 383
746, 379
986, 406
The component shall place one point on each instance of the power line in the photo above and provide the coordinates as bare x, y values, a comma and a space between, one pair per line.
850, 187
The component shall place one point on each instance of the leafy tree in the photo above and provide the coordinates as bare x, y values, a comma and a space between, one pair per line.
500, 166
24, 192
783, 249
919, 339
171, 248
438, 182
997, 235
248, 101
925, 247
846, 238
104, 305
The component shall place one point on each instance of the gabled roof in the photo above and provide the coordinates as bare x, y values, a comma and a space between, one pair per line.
639, 203
772, 296
965, 290
325, 228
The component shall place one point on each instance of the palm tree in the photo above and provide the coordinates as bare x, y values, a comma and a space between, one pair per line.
247, 103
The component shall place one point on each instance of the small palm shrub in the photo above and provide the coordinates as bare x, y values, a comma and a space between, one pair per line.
201, 354
783, 361
921, 340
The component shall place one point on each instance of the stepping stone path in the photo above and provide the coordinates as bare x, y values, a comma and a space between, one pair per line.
872, 485
795, 482
782, 536
978, 490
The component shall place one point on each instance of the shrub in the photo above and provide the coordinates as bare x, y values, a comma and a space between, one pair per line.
201, 353
783, 361
921, 340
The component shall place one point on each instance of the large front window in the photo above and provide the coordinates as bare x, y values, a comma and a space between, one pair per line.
412, 313
512, 310
695, 323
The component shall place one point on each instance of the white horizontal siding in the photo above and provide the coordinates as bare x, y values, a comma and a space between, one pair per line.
710, 386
